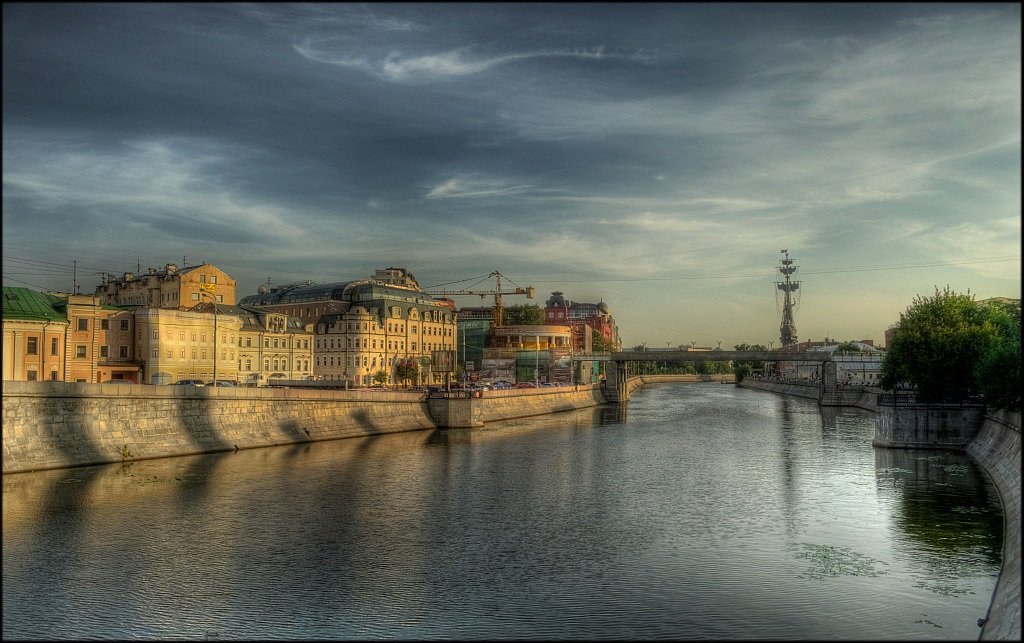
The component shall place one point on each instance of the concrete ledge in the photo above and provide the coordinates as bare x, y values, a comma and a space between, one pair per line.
997, 449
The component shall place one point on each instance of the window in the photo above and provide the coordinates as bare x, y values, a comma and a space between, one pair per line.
54, 346
193, 336
248, 342
202, 337
33, 346
266, 342
193, 353
105, 324
104, 351
195, 296
181, 336
213, 279
122, 351
156, 352
124, 324
83, 323
181, 353
32, 375
80, 351
204, 353
53, 376
156, 333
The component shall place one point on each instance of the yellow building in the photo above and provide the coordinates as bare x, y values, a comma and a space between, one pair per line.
66, 338
366, 327
169, 287
34, 336
100, 342
270, 346
177, 345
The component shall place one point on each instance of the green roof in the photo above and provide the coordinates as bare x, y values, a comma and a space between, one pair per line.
23, 303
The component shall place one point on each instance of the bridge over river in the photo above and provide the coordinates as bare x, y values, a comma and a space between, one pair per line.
617, 368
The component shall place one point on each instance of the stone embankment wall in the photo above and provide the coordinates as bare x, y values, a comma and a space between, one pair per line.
786, 388
517, 403
55, 424
997, 449
51, 425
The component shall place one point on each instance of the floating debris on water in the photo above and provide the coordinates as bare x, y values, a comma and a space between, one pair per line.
828, 561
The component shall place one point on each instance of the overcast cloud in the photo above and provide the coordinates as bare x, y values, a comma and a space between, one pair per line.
653, 156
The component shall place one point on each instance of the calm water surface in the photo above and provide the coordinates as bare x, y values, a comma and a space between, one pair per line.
697, 511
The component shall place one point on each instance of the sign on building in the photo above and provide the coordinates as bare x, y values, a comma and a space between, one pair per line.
442, 361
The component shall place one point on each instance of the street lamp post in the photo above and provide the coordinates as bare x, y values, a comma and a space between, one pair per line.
207, 289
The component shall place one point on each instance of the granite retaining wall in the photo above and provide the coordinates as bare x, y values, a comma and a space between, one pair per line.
52, 425
996, 448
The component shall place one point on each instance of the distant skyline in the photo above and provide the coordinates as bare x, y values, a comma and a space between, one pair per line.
656, 157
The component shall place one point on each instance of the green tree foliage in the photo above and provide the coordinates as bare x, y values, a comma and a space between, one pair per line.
742, 369
599, 343
951, 348
380, 378
524, 314
998, 371
406, 369
848, 347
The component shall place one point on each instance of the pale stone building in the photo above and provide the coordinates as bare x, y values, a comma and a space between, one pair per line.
270, 346
169, 287
368, 326
177, 345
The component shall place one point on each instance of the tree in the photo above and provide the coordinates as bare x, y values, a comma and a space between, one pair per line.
847, 347
524, 314
380, 378
998, 371
945, 344
406, 369
599, 343
742, 369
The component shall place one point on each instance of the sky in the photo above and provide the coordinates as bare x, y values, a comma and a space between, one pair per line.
656, 157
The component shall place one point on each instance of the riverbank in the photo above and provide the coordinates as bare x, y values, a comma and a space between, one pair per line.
996, 448
53, 425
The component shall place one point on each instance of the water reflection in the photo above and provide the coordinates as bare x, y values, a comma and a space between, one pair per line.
705, 512
949, 513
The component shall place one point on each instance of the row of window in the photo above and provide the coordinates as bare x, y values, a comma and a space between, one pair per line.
224, 338
82, 323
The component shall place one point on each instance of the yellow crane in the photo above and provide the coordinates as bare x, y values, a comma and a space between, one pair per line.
499, 309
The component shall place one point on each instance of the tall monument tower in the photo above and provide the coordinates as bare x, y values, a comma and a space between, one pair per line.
787, 331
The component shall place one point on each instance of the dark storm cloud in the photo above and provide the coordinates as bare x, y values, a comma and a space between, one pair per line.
596, 142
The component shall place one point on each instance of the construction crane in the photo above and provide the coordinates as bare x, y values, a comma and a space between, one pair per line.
499, 308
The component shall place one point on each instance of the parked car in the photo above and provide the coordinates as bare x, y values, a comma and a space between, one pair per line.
526, 385
118, 382
190, 383
222, 383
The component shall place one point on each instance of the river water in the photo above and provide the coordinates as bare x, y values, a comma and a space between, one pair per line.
696, 511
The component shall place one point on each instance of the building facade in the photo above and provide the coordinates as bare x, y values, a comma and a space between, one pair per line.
175, 345
168, 287
363, 329
66, 338
581, 317
271, 346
